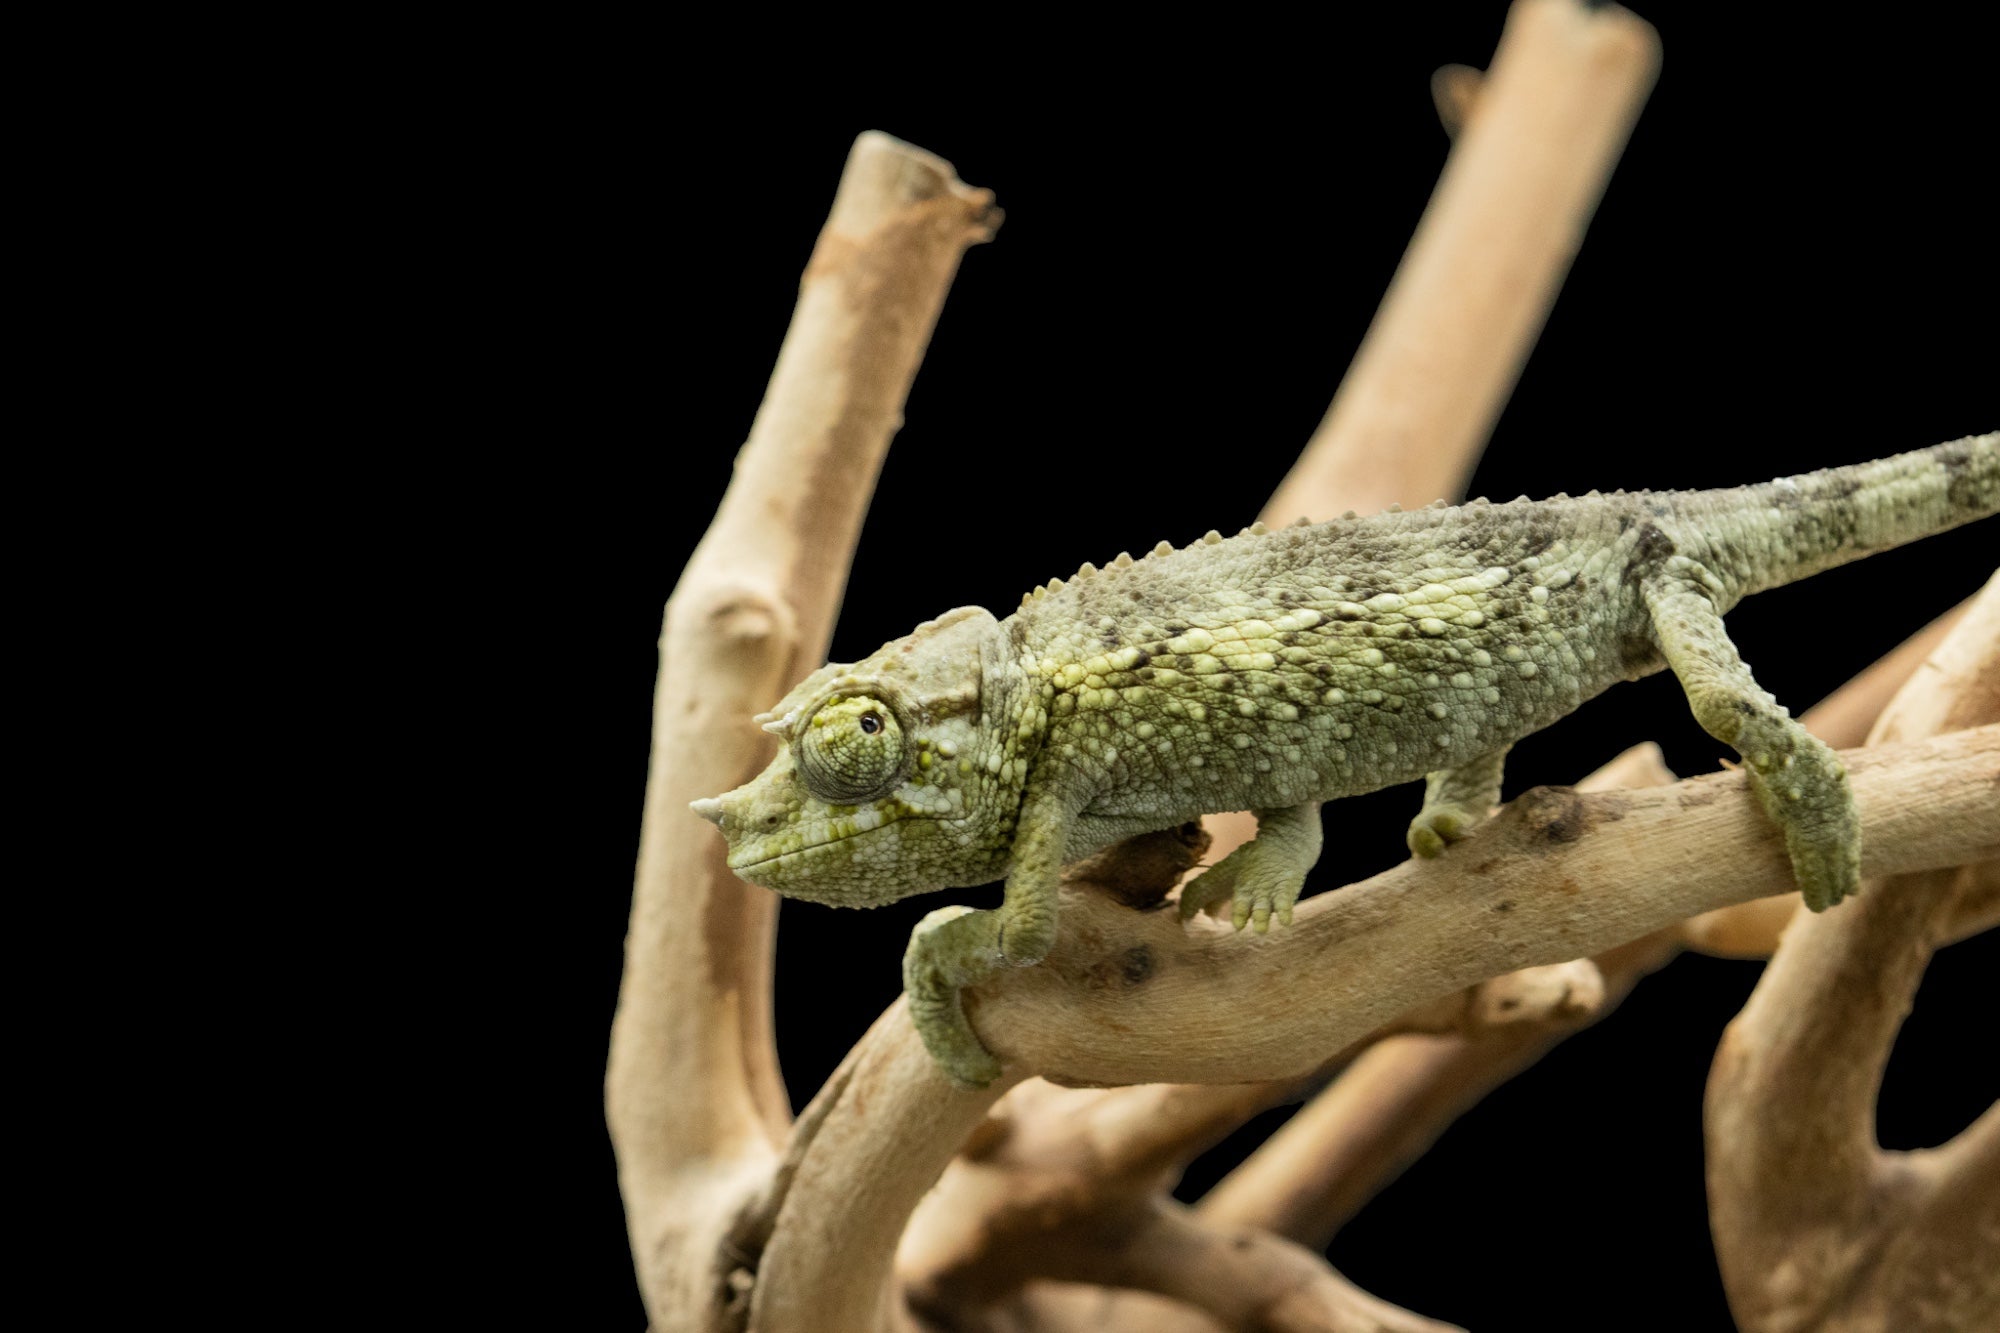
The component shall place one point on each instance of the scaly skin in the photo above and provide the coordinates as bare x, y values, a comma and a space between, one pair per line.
1276, 670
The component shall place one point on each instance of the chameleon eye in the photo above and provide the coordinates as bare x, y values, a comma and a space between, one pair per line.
851, 752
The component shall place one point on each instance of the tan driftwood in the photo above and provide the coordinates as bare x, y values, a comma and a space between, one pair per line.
737, 1220
693, 1098
1816, 1226
1481, 273
1557, 875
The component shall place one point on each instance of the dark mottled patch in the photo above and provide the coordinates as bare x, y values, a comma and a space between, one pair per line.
1504, 905
1145, 656
1176, 627
1109, 638
1555, 814
1286, 597
1654, 545
1657, 508
1137, 965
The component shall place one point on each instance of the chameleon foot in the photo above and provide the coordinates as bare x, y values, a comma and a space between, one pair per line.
1455, 802
1437, 827
1804, 790
952, 948
1265, 874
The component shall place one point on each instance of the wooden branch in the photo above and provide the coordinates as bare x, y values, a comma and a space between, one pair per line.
1242, 1279
1390, 1105
1555, 875
1482, 271
1815, 1225
693, 1095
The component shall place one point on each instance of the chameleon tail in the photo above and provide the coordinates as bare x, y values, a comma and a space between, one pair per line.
1777, 533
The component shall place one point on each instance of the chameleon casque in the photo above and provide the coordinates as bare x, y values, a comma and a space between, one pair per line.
1275, 670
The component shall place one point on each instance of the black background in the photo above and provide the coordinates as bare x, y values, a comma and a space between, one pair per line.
1793, 267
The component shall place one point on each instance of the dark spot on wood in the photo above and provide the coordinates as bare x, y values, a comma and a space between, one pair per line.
1505, 904
1486, 868
1137, 965
1555, 814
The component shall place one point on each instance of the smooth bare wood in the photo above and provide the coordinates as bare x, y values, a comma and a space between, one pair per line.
694, 1100
1556, 875
1815, 1225
1525, 173
1559, 874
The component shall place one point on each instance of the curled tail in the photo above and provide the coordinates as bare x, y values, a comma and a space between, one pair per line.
1781, 531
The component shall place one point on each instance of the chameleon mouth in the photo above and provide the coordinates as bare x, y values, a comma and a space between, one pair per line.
755, 857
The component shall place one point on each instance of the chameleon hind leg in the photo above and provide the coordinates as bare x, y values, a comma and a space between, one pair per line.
1795, 776
1455, 800
956, 947
1265, 874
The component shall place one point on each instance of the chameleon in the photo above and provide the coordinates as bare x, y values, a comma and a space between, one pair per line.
1278, 669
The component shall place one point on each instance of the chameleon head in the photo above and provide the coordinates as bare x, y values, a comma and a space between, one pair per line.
888, 783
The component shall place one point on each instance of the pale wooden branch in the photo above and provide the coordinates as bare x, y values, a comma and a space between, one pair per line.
1556, 875
1390, 1105
693, 1095
1482, 271
1815, 1225
1242, 1279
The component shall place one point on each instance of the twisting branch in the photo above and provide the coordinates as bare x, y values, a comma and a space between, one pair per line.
693, 1097
1556, 875
1815, 1225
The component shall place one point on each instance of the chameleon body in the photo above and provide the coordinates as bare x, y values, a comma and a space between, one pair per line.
1275, 670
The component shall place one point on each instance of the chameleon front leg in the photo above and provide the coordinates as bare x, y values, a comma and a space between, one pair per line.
1455, 801
1265, 874
956, 947
1796, 777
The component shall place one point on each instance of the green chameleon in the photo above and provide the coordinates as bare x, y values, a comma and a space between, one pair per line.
1275, 670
